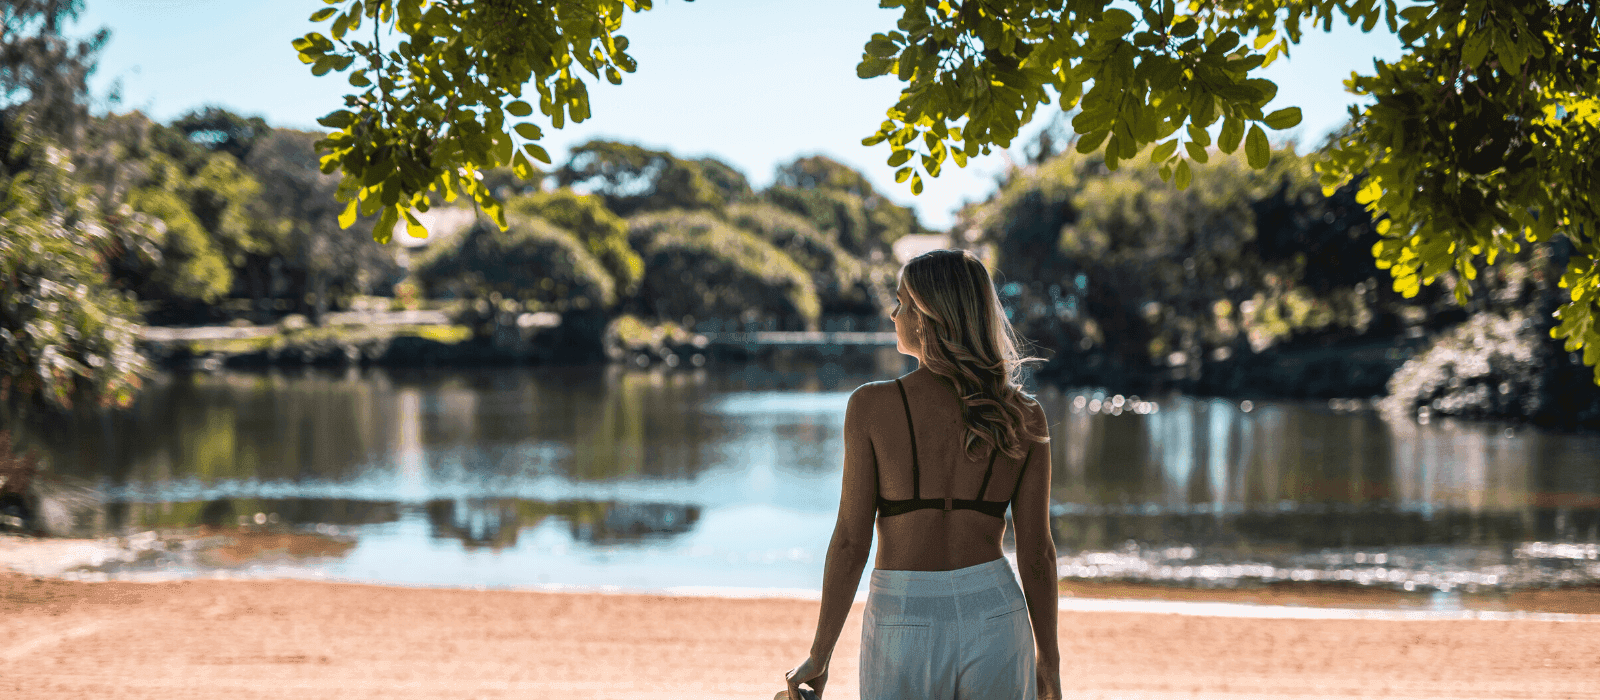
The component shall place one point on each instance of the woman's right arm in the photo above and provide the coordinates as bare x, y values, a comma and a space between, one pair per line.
1036, 562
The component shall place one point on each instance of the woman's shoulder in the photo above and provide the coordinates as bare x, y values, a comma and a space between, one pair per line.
868, 401
1033, 416
873, 391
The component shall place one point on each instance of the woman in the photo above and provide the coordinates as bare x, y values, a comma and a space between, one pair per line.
934, 458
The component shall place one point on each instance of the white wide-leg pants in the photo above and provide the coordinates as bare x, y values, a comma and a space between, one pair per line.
947, 635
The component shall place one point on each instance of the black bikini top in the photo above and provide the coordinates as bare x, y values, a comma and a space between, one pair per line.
887, 507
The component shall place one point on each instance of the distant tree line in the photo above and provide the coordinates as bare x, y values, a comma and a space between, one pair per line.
1252, 282
629, 231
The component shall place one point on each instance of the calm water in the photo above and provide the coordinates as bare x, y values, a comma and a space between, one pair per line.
728, 477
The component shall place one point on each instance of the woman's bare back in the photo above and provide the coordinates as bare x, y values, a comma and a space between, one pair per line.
932, 539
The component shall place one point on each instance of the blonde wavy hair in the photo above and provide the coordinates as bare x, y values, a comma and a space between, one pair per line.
966, 339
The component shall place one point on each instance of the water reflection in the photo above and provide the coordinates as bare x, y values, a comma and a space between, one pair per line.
1205, 492
495, 523
730, 475
415, 436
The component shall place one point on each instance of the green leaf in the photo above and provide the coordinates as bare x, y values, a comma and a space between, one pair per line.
881, 47
1271, 55
340, 119
518, 108
1224, 43
916, 184
1284, 118
323, 14
1476, 48
872, 67
504, 149
390, 194
1203, 109
1182, 176
1199, 135
1185, 27
1232, 133
1256, 149
348, 217
536, 152
1093, 119
414, 228
899, 157
1163, 151
1091, 141
528, 131
1196, 151
1119, 21
522, 168
383, 231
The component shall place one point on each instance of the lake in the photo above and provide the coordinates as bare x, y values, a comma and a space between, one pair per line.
726, 478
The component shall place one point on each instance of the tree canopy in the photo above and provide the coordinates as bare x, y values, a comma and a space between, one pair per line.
532, 261
1116, 272
43, 72
696, 263
635, 179
603, 233
65, 334
1473, 146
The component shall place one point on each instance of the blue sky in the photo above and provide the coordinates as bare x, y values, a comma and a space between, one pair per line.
755, 83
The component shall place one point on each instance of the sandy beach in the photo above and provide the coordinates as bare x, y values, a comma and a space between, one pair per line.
300, 639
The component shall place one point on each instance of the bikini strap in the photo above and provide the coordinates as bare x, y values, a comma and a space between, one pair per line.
916, 472
990, 472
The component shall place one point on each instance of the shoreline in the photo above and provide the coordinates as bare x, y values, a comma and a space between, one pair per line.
239, 557
277, 638
1560, 601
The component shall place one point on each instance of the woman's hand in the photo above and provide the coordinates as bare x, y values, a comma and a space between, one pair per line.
810, 672
1048, 681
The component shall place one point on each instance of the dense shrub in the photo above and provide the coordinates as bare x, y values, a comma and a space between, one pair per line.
65, 333
534, 263
845, 284
841, 203
602, 233
697, 265
1501, 363
1487, 367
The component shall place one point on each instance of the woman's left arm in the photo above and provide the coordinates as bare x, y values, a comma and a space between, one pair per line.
852, 541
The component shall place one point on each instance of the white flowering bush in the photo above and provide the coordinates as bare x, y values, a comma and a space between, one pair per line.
65, 334
1489, 366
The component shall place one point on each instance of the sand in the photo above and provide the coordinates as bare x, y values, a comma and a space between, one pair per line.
300, 639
